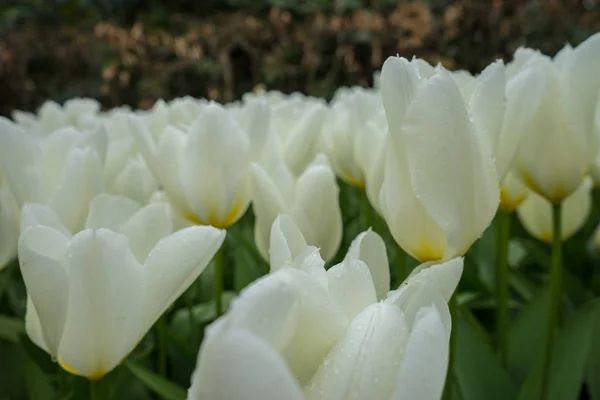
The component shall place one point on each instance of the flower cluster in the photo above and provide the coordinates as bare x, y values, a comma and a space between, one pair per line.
114, 214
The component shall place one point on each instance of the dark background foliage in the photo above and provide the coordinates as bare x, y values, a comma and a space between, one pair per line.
135, 51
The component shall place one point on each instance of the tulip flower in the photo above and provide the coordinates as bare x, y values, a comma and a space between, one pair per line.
77, 113
93, 295
205, 172
62, 169
512, 193
368, 346
495, 103
440, 188
347, 137
563, 121
536, 213
310, 200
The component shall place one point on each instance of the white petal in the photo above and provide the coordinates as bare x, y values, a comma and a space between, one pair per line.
523, 95
300, 147
451, 174
21, 158
135, 181
286, 241
364, 363
269, 308
370, 248
316, 210
423, 371
105, 303
240, 366
487, 103
174, 264
109, 211
146, 227
33, 214
33, 327
512, 192
444, 276
42, 253
308, 346
81, 180
267, 204
399, 85
410, 224
351, 286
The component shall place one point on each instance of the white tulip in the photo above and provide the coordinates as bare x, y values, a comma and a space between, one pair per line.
93, 295
62, 169
536, 213
346, 135
560, 144
367, 346
205, 172
440, 188
311, 201
512, 193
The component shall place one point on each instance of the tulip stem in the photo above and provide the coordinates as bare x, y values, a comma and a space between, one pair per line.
97, 390
502, 273
367, 210
162, 346
401, 264
218, 283
555, 289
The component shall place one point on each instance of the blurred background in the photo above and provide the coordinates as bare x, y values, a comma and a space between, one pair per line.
132, 52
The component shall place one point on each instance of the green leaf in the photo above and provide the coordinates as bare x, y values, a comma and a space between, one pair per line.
39, 385
156, 383
525, 344
203, 313
478, 371
11, 328
593, 364
569, 356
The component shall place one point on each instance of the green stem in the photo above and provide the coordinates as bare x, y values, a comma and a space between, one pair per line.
218, 282
162, 346
191, 315
502, 271
366, 210
555, 289
98, 390
401, 264
449, 387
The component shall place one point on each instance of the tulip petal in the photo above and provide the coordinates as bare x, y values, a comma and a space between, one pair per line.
370, 248
105, 303
269, 308
400, 83
21, 158
33, 214
364, 363
415, 231
267, 204
523, 96
451, 174
303, 137
444, 276
423, 371
286, 241
146, 227
110, 211
351, 286
81, 180
174, 264
41, 254
308, 345
316, 210
33, 327
240, 366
